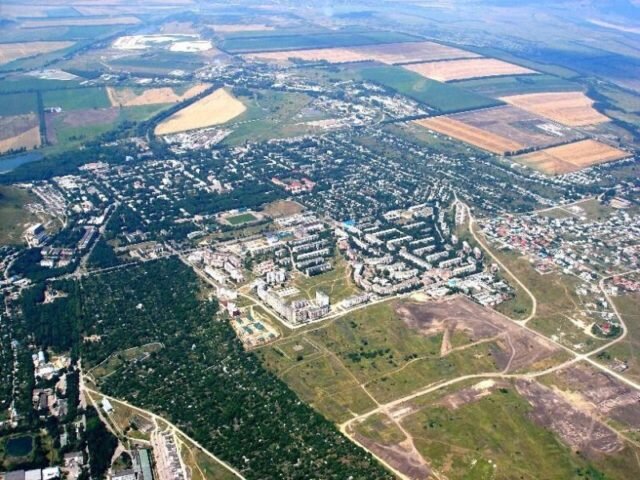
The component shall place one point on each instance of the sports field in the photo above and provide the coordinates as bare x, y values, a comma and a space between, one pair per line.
240, 219
217, 108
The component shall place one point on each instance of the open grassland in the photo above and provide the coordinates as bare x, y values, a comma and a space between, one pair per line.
442, 97
79, 21
573, 109
336, 283
19, 131
282, 208
449, 70
498, 430
14, 51
392, 53
14, 217
122, 358
572, 157
127, 97
475, 136
199, 465
215, 109
271, 41
76, 98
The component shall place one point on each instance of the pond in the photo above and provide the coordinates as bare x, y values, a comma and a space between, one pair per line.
19, 446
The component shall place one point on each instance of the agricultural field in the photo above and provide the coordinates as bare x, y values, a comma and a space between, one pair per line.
240, 27
76, 99
127, 97
19, 132
79, 21
392, 53
275, 42
15, 51
573, 109
502, 130
446, 71
215, 109
442, 97
18, 104
469, 134
517, 85
572, 157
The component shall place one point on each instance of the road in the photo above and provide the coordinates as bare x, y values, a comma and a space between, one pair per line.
157, 418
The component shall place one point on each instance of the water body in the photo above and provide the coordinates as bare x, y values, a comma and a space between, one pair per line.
10, 162
19, 446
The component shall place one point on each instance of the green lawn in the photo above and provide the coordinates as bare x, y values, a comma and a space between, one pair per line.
13, 216
444, 98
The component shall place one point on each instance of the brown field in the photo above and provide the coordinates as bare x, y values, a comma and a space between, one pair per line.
13, 51
80, 21
446, 71
240, 27
19, 131
392, 53
469, 134
282, 208
127, 97
573, 109
214, 109
572, 157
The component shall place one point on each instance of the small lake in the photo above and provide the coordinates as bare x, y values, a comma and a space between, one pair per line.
10, 162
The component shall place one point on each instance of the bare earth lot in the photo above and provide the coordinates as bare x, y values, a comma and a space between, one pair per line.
13, 51
19, 131
572, 157
573, 109
127, 97
449, 70
392, 53
214, 109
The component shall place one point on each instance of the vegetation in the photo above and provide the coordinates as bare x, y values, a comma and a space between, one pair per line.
442, 97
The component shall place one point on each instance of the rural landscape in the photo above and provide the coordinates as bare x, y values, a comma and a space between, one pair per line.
394, 239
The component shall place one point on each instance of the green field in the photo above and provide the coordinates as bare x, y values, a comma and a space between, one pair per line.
13, 216
240, 219
336, 283
18, 103
442, 97
266, 43
77, 99
28, 84
120, 359
518, 84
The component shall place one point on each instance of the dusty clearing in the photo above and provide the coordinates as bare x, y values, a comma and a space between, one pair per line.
607, 396
466, 69
573, 109
392, 53
127, 97
517, 348
19, 131
283, 208
72, 22
214, 109
13, 51
572, 157
576, 428
475, 136
241, 27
